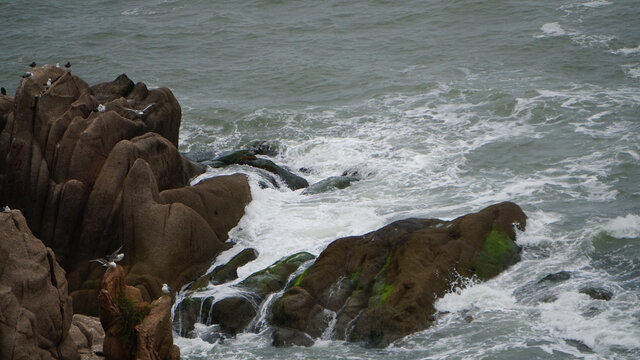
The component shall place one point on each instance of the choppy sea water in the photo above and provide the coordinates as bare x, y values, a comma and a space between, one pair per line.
445, 106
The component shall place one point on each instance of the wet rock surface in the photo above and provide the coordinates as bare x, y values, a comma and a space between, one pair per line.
381, 286
331, 183
234, 313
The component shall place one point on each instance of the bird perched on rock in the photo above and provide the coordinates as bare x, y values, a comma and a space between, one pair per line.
48, 84
165, 289
28, 74
58, 65
102, 108
6, 209
3, 91
68, 64
33, 64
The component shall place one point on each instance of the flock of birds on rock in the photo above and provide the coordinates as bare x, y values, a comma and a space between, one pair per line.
100, 108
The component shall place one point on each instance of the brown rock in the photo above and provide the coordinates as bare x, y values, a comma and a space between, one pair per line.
65, 164
35, 310
134, 329
382, 285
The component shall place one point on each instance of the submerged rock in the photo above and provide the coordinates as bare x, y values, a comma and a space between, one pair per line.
597, 293
556, 277
331, 183
247, 157
289, 337
382, 285
262, 147
293, 181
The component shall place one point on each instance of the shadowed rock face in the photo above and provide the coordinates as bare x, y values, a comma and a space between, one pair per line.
134, 329
35, 310
382, 286
92, 172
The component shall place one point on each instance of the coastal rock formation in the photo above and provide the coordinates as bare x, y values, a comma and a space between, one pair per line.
234, 313
94, 168
134, 328
381, 286
35, 309
87, 333
247, 157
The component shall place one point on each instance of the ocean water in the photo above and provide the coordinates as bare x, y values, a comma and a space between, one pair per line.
445, 107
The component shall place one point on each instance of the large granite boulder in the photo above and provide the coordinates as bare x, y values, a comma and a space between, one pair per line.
35, 309
96, 168
381, 286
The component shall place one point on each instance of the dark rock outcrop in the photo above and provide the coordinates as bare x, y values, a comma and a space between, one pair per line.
234, 313
597, 293
227, 272
247, 157
330, 183
94, 168
35, 309
382, 286
262, 147
134, 329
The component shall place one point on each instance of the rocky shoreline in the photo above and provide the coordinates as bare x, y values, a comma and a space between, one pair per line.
85, 170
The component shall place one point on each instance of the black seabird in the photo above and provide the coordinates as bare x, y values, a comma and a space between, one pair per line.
33, 64
68, 64
3, 91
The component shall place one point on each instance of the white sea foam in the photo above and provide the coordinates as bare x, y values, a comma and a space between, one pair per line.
624, 226
627, 51
538, 229
565, 319
632, 70
477, 298
552, 30
596, 4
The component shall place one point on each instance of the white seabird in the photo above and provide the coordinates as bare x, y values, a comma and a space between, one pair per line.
6, 209
116, 256
105, 263
140, 112
48, 84
28, 74
102, 108
165, 289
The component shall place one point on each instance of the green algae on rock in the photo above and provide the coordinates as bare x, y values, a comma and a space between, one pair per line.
383, 285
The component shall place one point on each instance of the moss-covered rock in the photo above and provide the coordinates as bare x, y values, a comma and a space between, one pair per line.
227, 272
383, 285
274, 278
498, 253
